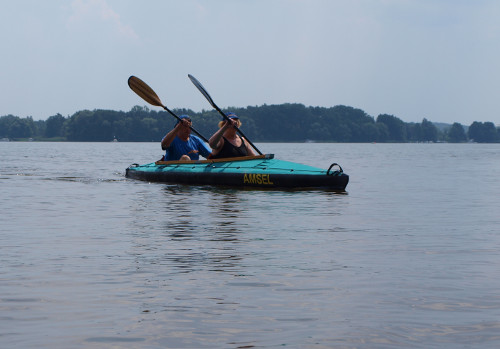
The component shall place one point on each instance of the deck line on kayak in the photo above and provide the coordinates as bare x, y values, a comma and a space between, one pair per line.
209, 161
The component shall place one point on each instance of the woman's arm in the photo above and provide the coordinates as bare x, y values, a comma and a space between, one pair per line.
249, 148
216, 142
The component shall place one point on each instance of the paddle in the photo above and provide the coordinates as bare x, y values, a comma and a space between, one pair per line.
212, 103
145, 92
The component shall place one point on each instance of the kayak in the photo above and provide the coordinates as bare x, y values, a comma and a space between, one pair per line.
262, 171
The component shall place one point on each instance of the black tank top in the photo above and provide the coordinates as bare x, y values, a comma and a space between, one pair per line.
230, 151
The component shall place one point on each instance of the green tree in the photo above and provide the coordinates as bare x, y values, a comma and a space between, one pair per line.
456, 133
395, 126
5, 122
80, 126
490, 132
289, 122
483, 132
54, 126
429, 131
382, 132
14, 127
414, 132
368, 132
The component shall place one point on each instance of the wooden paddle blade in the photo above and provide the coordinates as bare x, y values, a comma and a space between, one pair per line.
144, 91
202, 90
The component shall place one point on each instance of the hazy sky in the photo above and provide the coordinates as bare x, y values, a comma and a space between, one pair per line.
414, 59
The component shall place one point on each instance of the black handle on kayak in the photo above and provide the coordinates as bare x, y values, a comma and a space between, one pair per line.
329, 168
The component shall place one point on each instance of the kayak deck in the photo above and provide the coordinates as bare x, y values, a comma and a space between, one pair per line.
248, 171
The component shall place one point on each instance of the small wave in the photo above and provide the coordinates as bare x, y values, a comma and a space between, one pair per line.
86, 180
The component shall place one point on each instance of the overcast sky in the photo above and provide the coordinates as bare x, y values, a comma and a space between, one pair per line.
414, 59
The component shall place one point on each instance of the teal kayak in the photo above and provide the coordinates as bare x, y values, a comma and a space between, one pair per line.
250, 171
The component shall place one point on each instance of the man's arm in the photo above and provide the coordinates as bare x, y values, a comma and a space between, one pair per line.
169, 137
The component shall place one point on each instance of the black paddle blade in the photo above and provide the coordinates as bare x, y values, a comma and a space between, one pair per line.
207, 96
200, 87
144, 91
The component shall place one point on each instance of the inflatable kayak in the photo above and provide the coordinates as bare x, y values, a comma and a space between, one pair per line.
249, 171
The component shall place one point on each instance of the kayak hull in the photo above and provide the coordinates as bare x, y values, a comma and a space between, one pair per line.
253, 171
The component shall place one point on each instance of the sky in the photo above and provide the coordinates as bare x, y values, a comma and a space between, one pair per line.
414, 59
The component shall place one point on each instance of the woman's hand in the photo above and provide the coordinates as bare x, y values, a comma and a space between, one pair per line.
230, 123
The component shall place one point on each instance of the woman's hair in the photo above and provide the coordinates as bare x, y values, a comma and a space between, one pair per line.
238, 123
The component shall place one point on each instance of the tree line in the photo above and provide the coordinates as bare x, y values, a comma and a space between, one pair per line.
267, 123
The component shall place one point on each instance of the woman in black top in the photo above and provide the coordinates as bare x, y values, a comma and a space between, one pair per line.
226, 143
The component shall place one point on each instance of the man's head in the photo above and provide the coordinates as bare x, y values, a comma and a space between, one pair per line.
184, 117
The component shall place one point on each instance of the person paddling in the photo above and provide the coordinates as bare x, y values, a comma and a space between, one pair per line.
226, 143
180, 144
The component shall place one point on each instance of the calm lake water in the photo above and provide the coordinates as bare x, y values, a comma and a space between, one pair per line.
408, 257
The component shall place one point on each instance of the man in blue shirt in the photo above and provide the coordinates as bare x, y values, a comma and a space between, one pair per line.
180, 144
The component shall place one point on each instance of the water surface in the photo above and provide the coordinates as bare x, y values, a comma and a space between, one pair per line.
407, 257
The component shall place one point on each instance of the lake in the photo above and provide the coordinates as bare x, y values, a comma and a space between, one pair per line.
407, 257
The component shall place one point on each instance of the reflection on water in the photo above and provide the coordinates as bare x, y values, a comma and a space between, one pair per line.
199, 228
202, 230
